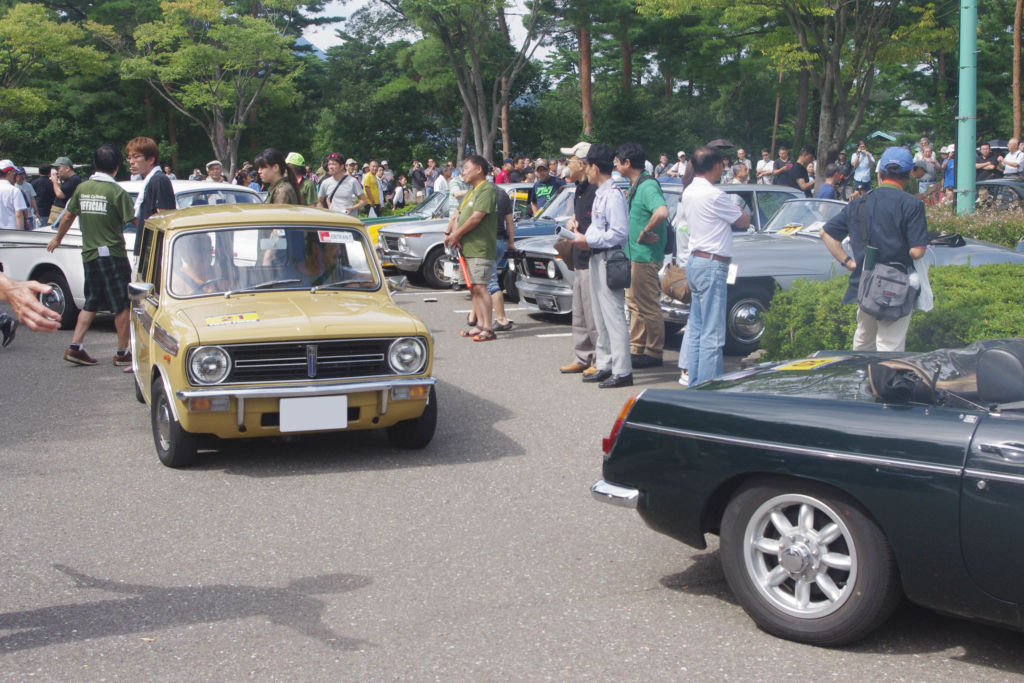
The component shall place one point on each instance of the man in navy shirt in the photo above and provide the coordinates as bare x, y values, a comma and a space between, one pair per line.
828, 188
546, 187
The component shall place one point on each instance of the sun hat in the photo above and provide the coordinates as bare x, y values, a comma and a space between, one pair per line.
579, 150
208, 164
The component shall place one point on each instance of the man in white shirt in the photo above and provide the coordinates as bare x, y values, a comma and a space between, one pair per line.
441, 182
711, 216
13, 208
765, 169
1013, 162
678, 169
339, 191
215, 172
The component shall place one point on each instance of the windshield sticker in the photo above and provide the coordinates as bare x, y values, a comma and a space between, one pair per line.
791, 229
233, 319
334, 237
812, 363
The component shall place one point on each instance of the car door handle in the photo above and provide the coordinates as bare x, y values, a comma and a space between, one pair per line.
1010, 451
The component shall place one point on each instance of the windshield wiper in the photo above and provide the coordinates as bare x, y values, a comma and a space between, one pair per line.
262, 285
341, 283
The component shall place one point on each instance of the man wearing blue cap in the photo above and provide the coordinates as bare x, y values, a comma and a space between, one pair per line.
893, 222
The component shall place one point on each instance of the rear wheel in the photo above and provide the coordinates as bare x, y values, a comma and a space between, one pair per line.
417, 432
59, 300
744, 318
433, 269
174, 446
806, 563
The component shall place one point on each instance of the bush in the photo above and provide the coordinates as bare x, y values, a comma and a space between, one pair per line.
1000, 227
970, 304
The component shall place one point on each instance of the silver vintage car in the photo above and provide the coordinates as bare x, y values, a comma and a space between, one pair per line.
418, 247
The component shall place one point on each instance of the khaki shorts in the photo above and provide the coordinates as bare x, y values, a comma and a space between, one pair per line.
480, 270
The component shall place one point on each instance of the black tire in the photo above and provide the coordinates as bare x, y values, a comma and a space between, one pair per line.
60, 299
744, 318
418, 432
433, 269
754, 550
138, 391
174, 446
509, 283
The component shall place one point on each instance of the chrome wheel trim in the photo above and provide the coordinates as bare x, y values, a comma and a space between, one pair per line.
164, 419
57, 297
746, 320
800, 555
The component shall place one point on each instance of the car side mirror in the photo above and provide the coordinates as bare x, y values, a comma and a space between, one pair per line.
139, 291
397, 283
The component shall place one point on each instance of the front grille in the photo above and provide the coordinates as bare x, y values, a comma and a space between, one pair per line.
391, 243
306, 360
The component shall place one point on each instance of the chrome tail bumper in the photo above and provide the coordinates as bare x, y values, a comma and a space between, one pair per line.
622, 496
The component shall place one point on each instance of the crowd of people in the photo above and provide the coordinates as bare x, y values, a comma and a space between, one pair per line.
618, 241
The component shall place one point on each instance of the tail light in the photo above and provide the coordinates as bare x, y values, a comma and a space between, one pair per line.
609, 441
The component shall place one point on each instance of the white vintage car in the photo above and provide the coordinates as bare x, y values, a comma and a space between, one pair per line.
24, 256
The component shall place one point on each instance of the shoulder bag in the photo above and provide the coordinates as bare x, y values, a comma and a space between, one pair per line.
885, 291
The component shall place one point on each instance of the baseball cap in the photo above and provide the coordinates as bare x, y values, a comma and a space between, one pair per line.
295, 159
62, 161
384, 162
334, 156
897, 160
681, 153
579, 150
351, 162
540, 166
6, 165
18, 170
208, 164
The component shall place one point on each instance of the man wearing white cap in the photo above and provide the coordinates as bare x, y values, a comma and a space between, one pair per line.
678, 169
13, 209
215, 172
584, 327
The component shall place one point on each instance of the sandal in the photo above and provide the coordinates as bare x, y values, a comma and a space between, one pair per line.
485, 335
503, 327
471, 332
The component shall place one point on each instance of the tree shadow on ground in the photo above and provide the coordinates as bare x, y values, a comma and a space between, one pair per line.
148, 608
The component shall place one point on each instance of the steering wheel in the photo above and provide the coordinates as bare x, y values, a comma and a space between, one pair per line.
202, 287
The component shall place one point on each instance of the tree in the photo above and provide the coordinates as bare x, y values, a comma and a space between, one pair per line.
840, 39
485, 64
213, 63
33, 44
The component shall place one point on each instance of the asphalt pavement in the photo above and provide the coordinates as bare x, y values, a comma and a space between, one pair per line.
482, 557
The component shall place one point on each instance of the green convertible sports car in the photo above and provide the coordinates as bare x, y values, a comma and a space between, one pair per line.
840, 482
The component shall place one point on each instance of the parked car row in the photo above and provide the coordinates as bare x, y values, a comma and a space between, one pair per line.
788, 248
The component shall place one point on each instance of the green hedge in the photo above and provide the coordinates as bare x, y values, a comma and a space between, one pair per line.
970, 304
1001, 227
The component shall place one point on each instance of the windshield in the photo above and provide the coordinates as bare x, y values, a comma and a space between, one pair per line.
561, 207
805, 216
217, 196
209, 262
431, 205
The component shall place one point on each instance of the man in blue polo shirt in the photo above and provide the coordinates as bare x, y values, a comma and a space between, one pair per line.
892, 221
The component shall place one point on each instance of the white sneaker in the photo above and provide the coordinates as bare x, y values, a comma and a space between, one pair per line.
684, 378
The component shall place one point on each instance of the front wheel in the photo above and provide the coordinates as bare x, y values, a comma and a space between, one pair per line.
174, 446
59, 300
744, 318
806, 563
433, 269
417, 432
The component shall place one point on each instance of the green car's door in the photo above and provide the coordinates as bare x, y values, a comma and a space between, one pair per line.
992, 507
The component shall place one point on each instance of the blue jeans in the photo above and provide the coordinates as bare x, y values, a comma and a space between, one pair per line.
706, 326
500, 263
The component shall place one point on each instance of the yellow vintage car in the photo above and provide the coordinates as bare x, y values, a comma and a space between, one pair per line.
261, 320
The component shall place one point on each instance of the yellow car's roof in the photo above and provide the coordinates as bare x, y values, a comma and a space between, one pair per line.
227, 215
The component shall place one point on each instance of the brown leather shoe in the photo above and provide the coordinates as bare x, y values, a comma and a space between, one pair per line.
590, 371
572, 368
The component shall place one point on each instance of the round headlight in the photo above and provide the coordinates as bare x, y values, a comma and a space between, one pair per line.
209, 365
407, 356
552, 270
403, 245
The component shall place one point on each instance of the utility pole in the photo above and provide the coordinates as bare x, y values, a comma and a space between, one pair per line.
967, 118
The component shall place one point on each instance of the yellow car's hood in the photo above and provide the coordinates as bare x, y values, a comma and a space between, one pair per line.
245, 318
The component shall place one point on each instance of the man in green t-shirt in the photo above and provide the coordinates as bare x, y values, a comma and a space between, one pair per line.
648, 215
102, 208
475, 230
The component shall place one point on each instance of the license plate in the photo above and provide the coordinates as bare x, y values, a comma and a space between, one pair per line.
313, 413
449, 269
547, 303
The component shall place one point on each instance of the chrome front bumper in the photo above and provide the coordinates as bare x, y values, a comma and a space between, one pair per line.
545, 297
613, 494
401, 260
278, 391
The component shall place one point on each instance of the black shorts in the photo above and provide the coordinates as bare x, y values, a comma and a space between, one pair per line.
106, 284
